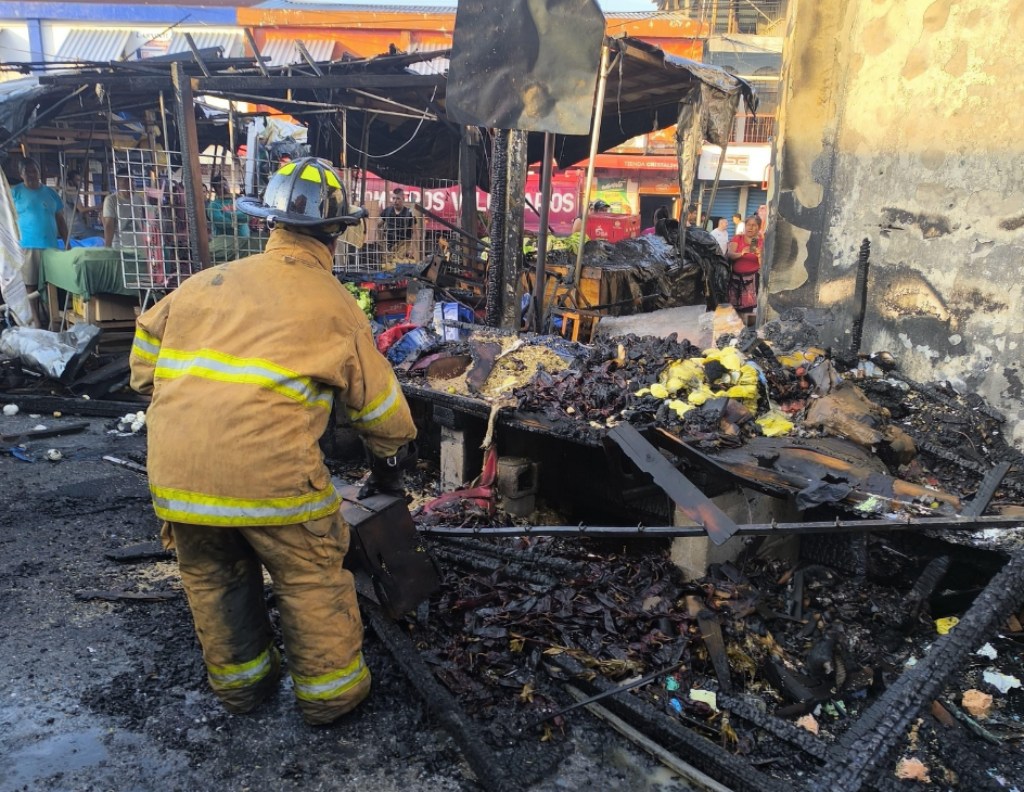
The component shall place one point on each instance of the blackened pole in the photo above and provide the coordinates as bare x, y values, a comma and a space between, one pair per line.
195, 203
467, 187
496, 258
542, 234
595, 134
515, 207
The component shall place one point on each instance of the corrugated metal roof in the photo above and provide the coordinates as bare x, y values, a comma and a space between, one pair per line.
95, 45
229, 42
313, 5
282, 51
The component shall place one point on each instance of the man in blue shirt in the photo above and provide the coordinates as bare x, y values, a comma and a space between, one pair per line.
40, 220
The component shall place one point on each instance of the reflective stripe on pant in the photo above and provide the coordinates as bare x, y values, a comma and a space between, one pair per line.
323, 632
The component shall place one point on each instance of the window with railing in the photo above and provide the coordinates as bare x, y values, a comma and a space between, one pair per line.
760, 129
760, 17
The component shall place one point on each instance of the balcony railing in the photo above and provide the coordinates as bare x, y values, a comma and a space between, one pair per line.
761, 17
753, 130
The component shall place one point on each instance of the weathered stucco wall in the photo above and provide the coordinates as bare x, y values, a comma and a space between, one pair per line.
901, 124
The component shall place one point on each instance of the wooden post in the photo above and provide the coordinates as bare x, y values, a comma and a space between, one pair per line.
467, 186
595, 134
195, 197
542, 235
515, 205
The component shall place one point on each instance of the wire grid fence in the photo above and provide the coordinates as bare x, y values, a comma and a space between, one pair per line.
381, 243
152, 223
152, 230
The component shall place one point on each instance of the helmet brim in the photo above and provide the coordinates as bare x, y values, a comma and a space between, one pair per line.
254, 207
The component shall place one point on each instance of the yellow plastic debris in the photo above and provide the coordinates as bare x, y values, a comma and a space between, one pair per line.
748, 375
680, 407
659, 391
943, 626
698, 397
642, 392
730, 357
674, 385
690, 372
774, 424
800, 358
742, 392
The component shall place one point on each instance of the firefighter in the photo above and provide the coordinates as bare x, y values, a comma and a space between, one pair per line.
243, 362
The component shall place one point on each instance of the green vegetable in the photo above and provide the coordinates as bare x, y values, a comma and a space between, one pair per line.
363, 298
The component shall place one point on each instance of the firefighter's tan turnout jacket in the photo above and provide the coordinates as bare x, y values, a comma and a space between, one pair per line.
243, 362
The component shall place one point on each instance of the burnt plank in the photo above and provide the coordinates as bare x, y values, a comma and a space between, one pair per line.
683, 492
54, 431
986, 490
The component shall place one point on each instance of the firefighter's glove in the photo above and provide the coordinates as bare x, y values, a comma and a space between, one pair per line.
387, 474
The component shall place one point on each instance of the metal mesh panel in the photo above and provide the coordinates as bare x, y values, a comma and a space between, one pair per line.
379, 244
152, 223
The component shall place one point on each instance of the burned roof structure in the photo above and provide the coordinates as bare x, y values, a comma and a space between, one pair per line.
393, 118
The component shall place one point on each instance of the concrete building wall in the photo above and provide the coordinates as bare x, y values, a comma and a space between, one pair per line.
900, 125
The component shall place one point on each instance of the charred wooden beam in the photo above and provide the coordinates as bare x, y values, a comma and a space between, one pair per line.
35, 434
489, 566
865, 748
525, 558
441, 704
146, 551
777, 727
676, 764
496, 259
986, 490
127, 596
923, 588
33, 403
860, 296
634, 683
683, 492
195, 205
706, 756
282, 82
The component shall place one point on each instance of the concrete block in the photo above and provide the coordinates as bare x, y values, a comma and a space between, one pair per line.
517, 477
454, 472
694, 555
523, 506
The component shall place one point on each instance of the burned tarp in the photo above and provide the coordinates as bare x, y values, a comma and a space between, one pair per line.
530, 64
649, 90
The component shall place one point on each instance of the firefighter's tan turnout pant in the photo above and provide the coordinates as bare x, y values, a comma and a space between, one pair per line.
221, 570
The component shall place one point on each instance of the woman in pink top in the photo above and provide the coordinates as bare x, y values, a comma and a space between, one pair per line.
745, 254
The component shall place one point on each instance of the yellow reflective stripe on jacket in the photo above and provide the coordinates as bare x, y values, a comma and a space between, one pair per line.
212, 365
332, 685
145, 346
229, 677
380, 409
195, 508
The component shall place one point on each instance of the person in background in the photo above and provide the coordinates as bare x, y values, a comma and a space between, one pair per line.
244, 363
396, 223
40, 221
224, 219
76, 213
660, 215
721, 234
123, 221
737, 224
691, 215
745, 254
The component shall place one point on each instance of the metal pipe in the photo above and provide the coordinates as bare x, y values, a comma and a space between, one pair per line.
952, 523
595, 134
714, 184
195, 211
344, 137
542, 235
